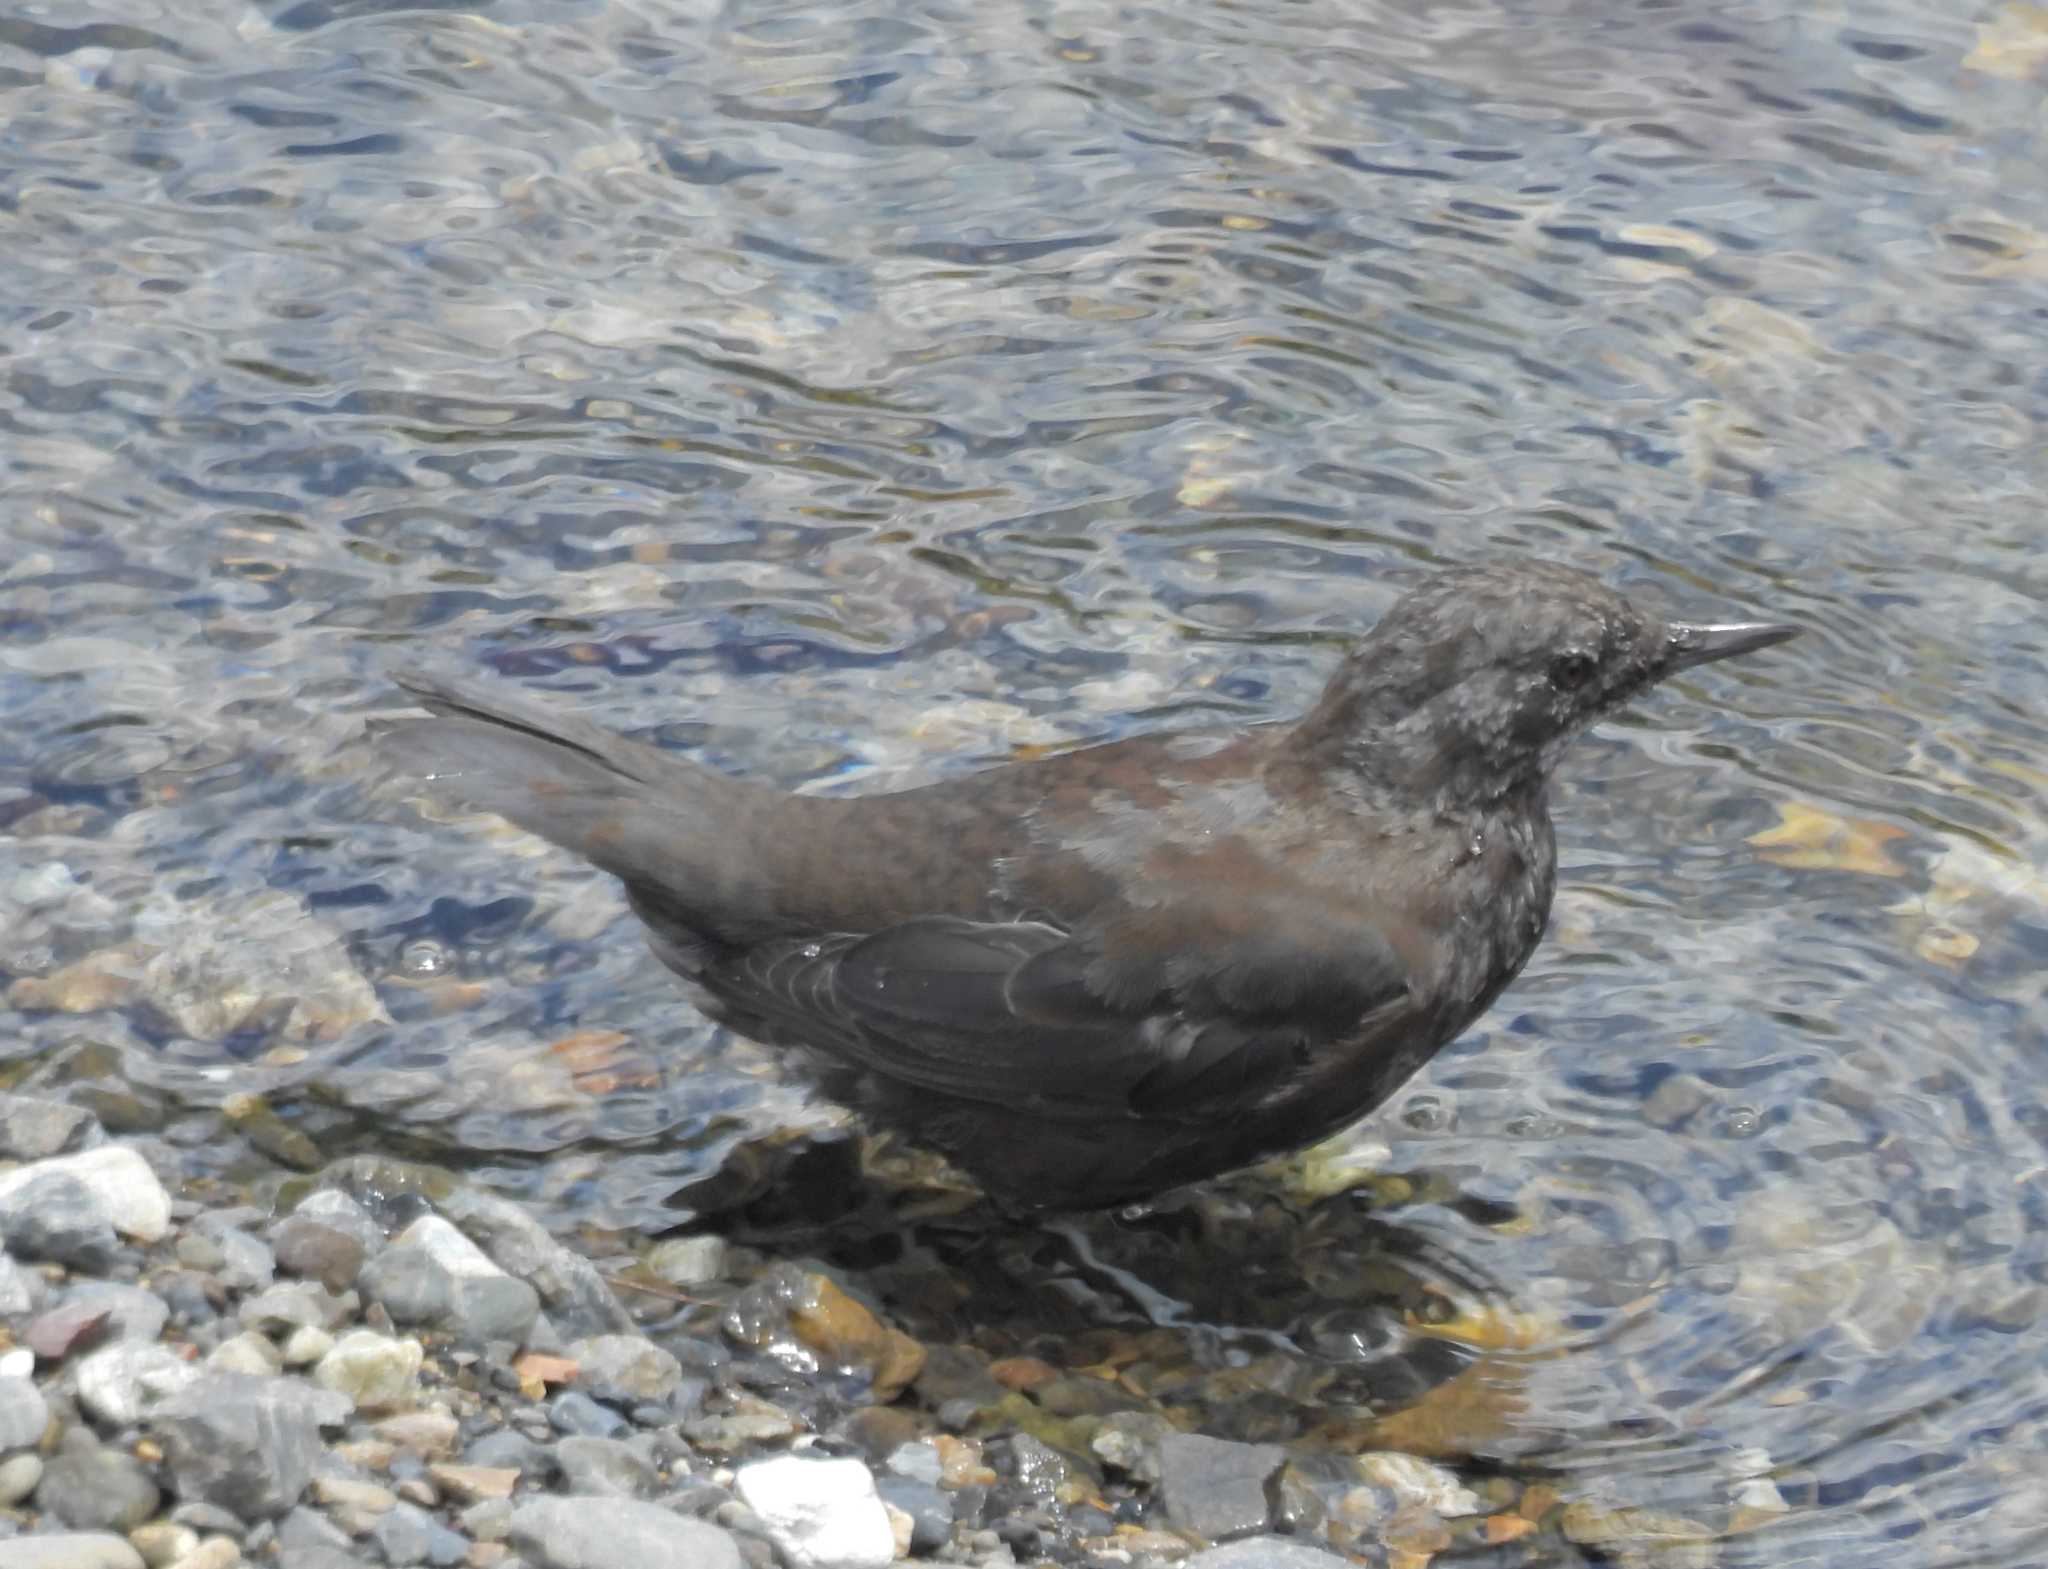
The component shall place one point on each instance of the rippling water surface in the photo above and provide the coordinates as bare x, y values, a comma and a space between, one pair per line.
853, 392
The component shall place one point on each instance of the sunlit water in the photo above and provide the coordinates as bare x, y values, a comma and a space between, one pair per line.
855, 392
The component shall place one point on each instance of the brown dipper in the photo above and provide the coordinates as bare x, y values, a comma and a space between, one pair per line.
1095, 976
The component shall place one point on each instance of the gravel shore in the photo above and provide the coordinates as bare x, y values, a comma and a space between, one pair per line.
390, 1366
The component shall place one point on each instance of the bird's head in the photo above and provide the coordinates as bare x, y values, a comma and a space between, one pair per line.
1476, 681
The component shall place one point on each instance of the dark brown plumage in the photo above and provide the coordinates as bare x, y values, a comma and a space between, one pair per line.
1092, 977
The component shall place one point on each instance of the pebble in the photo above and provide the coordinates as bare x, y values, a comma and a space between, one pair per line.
23, 1414
72, 1550
21, 1288
409, 1535
58, 1218
605, 1465
577, 1532
120, 1181
1413, 1480
18, 1478
432, 1274
163, 1542
306, 1345
216, 1552
375, 1371
94, 1489
319, 1250
248, 1445
821, 1514
431, 1433
688, 1261
117, 1385
133, 1313
247, 1352
631, 1364
32, 1129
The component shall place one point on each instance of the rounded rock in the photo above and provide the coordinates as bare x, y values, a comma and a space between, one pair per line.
377, 1372
820, 1514
95, 1489
72, 1550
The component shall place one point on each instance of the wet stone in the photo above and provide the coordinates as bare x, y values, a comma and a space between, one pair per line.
33, 1129
572, 1411
604, 1533
307, 1246
929, 1509
688, 1261
57, 1218
432, 1274
95, 1489
631, 1364
820, 1514
409, 1535
124, 1190
1213, 1487
65, 1330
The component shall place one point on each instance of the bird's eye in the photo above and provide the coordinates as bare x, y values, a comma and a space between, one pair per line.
1569, 672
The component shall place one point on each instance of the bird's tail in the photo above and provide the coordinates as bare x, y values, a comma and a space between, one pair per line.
622, 804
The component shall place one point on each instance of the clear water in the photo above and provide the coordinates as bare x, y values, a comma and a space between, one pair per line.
859, 391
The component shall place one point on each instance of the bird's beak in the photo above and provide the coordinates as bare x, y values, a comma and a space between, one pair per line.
1687, 646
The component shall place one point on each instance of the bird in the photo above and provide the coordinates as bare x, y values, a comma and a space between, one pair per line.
1092, 977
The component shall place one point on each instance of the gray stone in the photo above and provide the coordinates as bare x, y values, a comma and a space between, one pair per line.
58, 1218
572, 1411
432, 1274
504, 1449
1214, 1487
32, 1129
72, 1550
118, 1385
247, 1263
605, 1465
409, 1535
126, 1191
632, 1364
246, 1444
332, 1207
1128, 1441
94, 1489
210, 1518
18, 1478
605, 1533
133, 1312
23, 1414
574, 1293
1265, 1552
929, 1508
820, 1514
319, 1250
21, 1289
306, 1526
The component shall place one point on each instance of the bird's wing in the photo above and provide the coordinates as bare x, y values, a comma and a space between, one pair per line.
1027, 1014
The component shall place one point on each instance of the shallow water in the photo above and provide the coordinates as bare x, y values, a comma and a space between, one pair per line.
859, 392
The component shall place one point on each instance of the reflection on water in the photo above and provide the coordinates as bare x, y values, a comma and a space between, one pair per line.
850, 393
